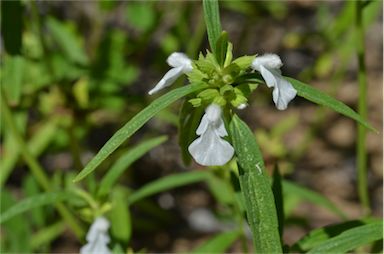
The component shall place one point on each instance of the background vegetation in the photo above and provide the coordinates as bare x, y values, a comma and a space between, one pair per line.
73, 72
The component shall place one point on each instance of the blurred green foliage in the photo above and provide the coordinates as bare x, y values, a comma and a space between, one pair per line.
74, 72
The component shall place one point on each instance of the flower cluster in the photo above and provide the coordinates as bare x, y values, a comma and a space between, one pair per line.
230, 83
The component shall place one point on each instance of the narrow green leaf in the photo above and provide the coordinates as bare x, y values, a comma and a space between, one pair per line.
351, 239
219, 243
312, 196
32, 202
212, 21
189, 120
134, 124
316, 96
125, 161
320, 235
255, 186
166, 183
120, 216
221, 48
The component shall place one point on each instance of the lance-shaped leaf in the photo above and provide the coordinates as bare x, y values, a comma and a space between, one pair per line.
318, 97
136, 123
256, 189
351, 239
212, 21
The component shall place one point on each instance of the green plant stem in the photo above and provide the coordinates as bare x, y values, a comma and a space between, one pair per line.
362, 110
34, 166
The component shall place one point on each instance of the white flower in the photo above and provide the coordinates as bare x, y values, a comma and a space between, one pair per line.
269, 67
210, 149
180, 63
97, 238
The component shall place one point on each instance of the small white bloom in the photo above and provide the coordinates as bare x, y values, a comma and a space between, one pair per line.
269, 67
180, 63
97, 238
210, 149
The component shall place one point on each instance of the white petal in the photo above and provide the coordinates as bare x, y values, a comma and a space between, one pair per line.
210, 149
100, 225
270, 61
178, 59
283, 93
212, 117
203, 125
167, 80
269, 76
95, 247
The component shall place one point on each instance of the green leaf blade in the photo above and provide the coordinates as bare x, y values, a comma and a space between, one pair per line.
351, 239
256, 189
212, 21
134, 124
323, 99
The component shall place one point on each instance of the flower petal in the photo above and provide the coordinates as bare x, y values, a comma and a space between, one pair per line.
210, 149
269, 77
283, 93
167, 80
178, 59
269, 61
203, 125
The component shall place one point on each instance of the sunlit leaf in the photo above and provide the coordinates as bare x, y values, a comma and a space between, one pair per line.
255, 186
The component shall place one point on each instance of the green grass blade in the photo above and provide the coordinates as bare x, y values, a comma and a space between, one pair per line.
212, 21
351, 239
32, 202
125, 161
312, 197
255, 186
134, 124
166, 183
219, 243
316, 96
